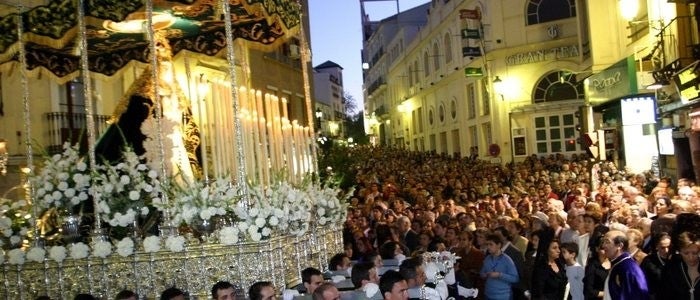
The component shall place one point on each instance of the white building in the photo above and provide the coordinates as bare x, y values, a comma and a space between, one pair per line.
506, 79
328, 92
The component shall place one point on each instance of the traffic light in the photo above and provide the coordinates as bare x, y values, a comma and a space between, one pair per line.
594, 144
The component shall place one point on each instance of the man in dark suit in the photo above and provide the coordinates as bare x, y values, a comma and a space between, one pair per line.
407, 236
517, 257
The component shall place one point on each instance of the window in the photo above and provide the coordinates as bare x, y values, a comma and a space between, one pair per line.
415, 70
448, 48
542, 11
556, 86
441, 113
436, 56
473, 136
488, 135
410, 76
471, 100
453, 108
485, 99
426, 64
431, 116
555, 134
420, 119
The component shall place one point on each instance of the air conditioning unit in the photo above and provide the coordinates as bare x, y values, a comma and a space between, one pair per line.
293, 51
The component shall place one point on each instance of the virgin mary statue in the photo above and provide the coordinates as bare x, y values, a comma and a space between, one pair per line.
135, 124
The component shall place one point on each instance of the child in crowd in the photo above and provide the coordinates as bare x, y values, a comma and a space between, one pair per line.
574, 271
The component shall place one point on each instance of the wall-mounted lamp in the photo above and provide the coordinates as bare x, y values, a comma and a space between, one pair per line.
498, 86
4, 157
629, 9
365, 66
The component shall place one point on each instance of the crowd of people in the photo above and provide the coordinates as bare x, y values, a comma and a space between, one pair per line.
548, 227
551, 227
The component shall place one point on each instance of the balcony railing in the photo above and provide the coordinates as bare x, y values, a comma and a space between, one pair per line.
71, 127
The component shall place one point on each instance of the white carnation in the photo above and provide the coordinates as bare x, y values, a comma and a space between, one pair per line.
36, 254
57, 253
125, 247
15, 256
260, 222
175, 243
102, 249
151, 244
228, 235
79, 251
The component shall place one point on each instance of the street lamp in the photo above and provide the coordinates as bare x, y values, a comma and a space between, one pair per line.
319, 116
4, 157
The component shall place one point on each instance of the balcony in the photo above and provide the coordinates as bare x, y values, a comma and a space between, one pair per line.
71, 127
376, 85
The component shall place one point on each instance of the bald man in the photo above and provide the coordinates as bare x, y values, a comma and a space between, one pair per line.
626, 280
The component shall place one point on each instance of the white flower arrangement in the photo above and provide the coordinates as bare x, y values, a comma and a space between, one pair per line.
125, 247
36, 254
126, 189
15, 257
228, 235
79, 250
102, 249
330, 203
175, 243
261, 216
151, 244
15, 222
63, 181
198, 200
58, 253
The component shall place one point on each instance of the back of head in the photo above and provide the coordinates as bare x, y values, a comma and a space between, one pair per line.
409, 267
308, 272
84, 297
171, 293
321, 289
255, 290
360, 272
335, 261
387, 281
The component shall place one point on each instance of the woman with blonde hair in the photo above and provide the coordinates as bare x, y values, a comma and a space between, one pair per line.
635, 239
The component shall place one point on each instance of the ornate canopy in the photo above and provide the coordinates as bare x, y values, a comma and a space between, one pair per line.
51, 31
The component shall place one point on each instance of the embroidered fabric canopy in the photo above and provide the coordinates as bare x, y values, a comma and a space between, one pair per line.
51, 31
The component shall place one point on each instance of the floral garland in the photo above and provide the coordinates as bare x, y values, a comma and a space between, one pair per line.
64, 180
278, 209
201, 201
126, 189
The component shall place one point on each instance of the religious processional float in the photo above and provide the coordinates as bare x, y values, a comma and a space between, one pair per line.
164, 197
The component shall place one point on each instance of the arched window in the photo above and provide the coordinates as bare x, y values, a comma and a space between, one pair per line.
415, 71
436, 56
410, 76
557, 86
426, 64
448, 47
541, 11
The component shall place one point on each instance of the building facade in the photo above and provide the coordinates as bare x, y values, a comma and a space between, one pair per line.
506, 80
330, 100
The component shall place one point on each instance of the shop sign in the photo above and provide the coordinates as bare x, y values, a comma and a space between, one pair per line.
536, 56
613, 82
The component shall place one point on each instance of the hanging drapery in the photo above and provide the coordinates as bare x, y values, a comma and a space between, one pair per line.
51, 31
